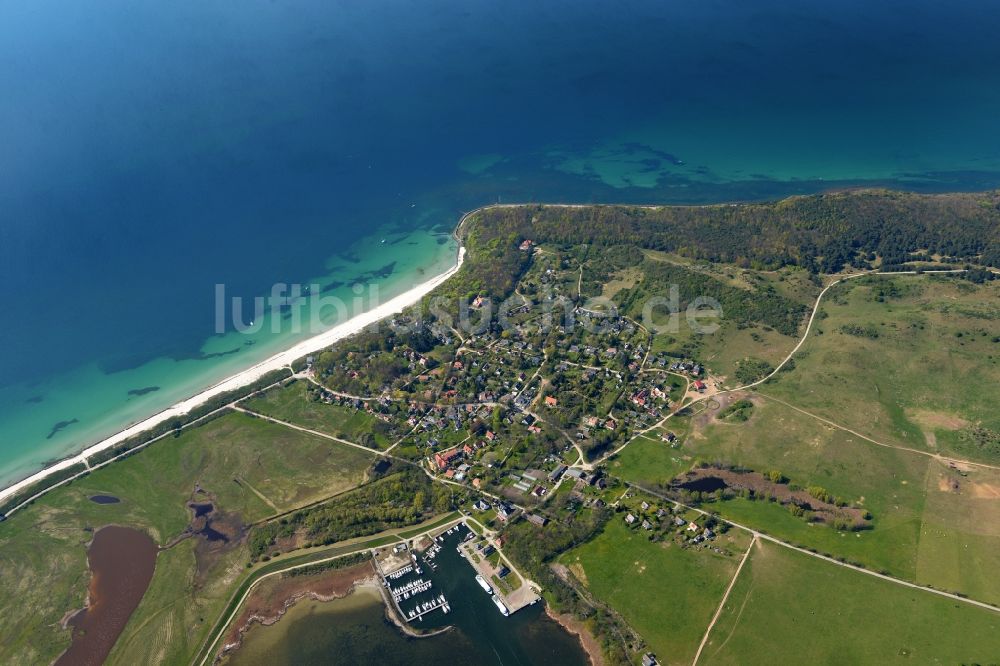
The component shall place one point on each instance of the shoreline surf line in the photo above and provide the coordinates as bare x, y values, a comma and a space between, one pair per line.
248, 376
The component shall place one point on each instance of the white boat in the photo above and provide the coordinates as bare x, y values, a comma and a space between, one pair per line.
503, 609
483, 584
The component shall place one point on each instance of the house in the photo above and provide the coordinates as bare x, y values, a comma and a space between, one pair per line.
692, 527
525, 245
481, 505
678, 521
477, 482
630, 519
504, 511
467, 449
557, 472
533, 429
649, 660
645, 506
443, 459
535, 519
699, 385
550, 401
503, 571
668, 437
646, 525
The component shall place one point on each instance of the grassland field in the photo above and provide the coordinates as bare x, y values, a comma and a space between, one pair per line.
292, 403
246, 466
725, 348
666, 593
826, 614
930, 523
911, 360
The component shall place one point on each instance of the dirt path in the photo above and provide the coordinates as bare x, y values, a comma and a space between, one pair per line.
725, 598
805, 336
785, 544
929, 454
262, 496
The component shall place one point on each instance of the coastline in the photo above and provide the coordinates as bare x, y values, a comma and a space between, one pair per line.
583, 634
273, 613
250, 375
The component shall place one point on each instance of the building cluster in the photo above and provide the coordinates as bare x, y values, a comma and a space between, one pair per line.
674, 522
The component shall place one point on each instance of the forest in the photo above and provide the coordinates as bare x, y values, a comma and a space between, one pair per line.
822, 233
396, 500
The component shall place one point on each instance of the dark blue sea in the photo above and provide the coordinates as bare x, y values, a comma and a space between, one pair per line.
151, 150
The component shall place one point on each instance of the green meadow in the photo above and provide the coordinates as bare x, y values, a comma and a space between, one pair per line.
930, 523
789, 608
666, 593
910, 360
292, 403
249, 468
650, 461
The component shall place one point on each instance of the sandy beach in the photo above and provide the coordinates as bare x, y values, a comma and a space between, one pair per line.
250, 375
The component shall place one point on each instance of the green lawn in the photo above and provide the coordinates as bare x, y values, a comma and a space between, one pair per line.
649, 461
789, 608
250, 467
292, 403
666, 593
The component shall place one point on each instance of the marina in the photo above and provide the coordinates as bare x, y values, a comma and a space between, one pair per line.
412, 573
411, 589
354, 629
428, 606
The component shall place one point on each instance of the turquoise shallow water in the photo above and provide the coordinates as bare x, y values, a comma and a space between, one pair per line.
101, 403
154, 150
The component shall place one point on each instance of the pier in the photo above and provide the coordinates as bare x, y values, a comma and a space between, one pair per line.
411, 589
427, 607
494, 574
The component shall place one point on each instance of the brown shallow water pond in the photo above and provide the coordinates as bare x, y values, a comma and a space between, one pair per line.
122, 560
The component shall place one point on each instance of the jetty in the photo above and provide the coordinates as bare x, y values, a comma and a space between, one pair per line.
428, 607
498, 578
411, 589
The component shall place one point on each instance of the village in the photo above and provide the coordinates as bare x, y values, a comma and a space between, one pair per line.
519, 409
500, 412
